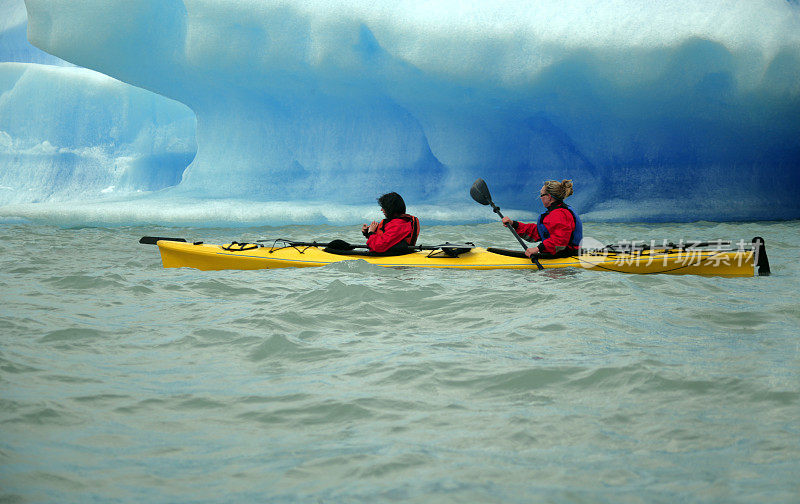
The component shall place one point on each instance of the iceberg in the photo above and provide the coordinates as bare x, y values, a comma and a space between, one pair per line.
672, 111
110, 136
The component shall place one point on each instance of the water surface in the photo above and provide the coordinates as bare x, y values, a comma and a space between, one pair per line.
121, 381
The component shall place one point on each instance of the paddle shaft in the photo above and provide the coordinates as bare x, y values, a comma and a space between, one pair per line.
517, 236
152, 240
349, 246
480, 193
314, 244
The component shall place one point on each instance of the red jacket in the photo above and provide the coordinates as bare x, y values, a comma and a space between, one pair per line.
392, 232
559, 223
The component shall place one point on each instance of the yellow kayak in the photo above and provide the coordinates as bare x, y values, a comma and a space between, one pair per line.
251, 256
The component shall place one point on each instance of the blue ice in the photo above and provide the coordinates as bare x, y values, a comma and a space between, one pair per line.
307, 110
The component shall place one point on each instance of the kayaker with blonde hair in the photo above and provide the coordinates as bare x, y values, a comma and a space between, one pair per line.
559, 228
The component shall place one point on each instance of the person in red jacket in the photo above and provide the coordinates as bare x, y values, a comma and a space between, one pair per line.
559, 228
398, 230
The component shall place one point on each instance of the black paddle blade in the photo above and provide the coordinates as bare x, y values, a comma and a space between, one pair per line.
480, 192
761, 261
339, 245
151, 240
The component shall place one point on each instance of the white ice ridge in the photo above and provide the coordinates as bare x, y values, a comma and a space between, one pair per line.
338, 101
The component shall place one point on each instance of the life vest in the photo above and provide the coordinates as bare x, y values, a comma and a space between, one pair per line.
411, 239
577, 233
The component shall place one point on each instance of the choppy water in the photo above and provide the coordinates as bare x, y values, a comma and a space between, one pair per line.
121, 381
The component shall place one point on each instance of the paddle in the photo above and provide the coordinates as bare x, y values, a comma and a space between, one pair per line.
343, 245
455, 248
480, 193
336, 244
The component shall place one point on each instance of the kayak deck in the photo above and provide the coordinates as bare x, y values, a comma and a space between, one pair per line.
677, 262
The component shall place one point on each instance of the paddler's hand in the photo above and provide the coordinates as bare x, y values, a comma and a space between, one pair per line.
532, 251
364, 228
506, 221
372, 227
